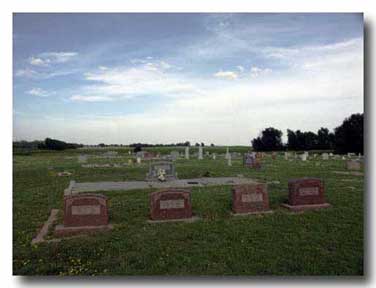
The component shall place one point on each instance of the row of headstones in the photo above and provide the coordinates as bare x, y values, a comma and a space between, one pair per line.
325, 156
87, 212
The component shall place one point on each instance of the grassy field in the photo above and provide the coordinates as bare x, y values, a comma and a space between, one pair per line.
326, 242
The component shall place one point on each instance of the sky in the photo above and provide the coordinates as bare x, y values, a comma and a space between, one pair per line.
167, 78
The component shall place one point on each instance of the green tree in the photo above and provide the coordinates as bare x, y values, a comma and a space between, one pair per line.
269, 140
349, 136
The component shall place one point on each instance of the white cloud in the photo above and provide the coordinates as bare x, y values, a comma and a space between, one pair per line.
226, 75
240, 68
320, 87
38, 61
257, 71
33, 74
58, 57
26, 73
48, 58
39, 92
130, 82
44, 65
86, 98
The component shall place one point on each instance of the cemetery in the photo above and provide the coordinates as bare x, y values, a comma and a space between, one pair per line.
188, 211
187, 143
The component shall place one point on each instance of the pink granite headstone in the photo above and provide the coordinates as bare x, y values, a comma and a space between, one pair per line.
170, 204
306, 193
83, 213
250, 198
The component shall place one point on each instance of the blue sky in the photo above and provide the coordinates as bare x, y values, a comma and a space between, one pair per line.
162, 78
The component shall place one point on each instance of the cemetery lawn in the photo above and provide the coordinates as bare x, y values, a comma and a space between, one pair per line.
328, 242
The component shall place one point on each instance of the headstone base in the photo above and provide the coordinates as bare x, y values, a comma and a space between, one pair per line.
252, 213
187, 220
62, 231
153, 179
298, 208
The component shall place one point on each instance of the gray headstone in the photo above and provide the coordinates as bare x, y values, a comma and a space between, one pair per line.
168, 168
200, 153
187, 152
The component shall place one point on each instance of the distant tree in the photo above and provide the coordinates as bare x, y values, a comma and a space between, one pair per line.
187, 143
310, 140
212, 145
197, 144
257, 144
300, 137
52, 144
323, 140
137, 148
102, 145
269, 140
292, 140
332, 140
349, 136
202, 144
299, 140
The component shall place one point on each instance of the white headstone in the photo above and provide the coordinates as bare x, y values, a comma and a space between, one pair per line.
229, 160
325, 156
200, 157
287, 155
82, 159
187, 152
303, 157
214, 156
138, 160
227, 153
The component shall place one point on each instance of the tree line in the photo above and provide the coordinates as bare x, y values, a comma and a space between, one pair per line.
348, 137
47, 144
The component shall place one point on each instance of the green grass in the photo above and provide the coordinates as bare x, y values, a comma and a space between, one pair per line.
326, 242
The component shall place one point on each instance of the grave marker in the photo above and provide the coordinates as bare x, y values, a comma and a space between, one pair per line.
170, 204
250, 199
187, 152
305, 194
174, 155
200, 156
251, 161
155, 168
227, 153
354, 165
82, 158
84, 213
